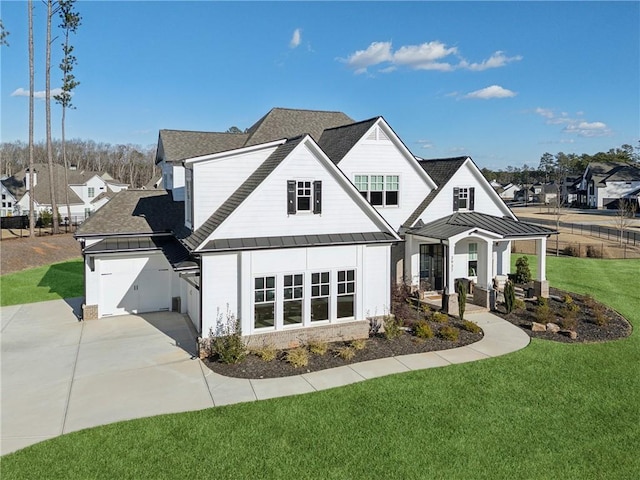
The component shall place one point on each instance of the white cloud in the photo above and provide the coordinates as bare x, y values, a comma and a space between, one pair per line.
425, 143
425, 56
296, 38
21, 92
574, 126
494, 91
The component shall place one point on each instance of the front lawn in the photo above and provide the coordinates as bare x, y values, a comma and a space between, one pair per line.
51, 282
552, 410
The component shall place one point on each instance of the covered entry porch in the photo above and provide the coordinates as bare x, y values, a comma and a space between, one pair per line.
471, 247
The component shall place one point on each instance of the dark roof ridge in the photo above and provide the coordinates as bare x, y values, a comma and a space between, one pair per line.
354, 123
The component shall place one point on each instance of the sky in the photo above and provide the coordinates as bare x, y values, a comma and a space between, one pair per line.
502, 82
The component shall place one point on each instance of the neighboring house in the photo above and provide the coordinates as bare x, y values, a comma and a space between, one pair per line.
508, 191
548, 193
8, 201
605, 184
298, 228
87, 191
570, 192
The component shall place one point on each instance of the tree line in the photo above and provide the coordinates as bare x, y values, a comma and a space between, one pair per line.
131, 164
557, 167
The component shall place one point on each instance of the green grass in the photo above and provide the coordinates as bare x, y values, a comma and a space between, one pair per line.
549, 411
51, 282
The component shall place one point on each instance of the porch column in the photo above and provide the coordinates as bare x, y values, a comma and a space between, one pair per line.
541, 285
449, 296
482, 291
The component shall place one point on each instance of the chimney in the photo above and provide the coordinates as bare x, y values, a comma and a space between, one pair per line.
26, 179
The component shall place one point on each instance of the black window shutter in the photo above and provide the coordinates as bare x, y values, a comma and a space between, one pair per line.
472, 198
317, 196
291, 197
456, 194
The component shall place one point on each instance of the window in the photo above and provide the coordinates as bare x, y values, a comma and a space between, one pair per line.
320, 288
264, 302
4, 197
188, 194
293, 298
463, 198
379, 190
304, 196
473, 259
91, 192
346, 293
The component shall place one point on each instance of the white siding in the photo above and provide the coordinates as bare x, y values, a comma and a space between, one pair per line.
615, 190
385, 158
178, 183
264, 212
214, 181
219, 287
466, 176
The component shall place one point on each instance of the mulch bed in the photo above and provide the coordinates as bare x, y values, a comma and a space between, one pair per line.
587, 329
377, 347
21, 253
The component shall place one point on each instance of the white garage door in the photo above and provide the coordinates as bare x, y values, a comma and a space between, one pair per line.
134, 285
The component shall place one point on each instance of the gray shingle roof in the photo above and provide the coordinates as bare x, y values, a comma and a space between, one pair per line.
457, 223
178, 145
132, 212
336, 142
290, 241
195, 239
287, 123
440, 170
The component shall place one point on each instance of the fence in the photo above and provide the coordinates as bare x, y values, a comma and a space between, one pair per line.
19, 225
611, 234
580, 249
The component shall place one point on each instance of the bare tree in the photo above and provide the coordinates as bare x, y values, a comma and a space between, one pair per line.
625, 216
3, 35
32, 218
70, 23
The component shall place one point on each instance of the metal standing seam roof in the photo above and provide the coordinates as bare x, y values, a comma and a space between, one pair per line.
193, 240
457, 223
169, 245
291, 241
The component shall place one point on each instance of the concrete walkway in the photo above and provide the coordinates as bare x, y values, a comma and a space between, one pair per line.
60, 375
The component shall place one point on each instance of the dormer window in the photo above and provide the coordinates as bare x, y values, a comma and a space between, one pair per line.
379, 190
304, 196
463, 198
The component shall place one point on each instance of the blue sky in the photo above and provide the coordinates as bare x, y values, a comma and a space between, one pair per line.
503, 82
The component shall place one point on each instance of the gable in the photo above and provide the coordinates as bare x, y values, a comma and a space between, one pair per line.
467, 175
259, 207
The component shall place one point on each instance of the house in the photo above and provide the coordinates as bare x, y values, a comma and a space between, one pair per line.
570, 191
604, 184
87, 191
508, 191
8, 201
297, 228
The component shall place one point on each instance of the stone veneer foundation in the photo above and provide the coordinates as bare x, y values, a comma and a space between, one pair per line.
89, 312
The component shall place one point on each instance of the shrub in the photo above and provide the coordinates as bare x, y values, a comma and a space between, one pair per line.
543, 312
523, 272
600, 315
567, 299
593, 251
509, 296
374, 326
318, 347
568, 322
462, 298
267, 353
346, 353
358, 344
589, 301
519, 304
471, 327
572, 250
297, 357
226, 342
449, 333
440, 317
422, 330
392, 327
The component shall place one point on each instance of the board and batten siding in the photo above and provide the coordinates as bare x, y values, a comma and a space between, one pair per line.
215, 180
485, 196
228, 279
264, 211
382, 157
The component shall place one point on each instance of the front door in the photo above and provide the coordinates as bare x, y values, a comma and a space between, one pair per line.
431, 266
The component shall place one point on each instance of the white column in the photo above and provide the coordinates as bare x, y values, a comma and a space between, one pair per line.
449, 267
541, 252
488, 265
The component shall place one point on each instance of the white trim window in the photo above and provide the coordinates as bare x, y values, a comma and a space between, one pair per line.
293, 299
320, 296
303, 195
346, 294
379, 190
91, 192
264, 311
473, 260
463, 198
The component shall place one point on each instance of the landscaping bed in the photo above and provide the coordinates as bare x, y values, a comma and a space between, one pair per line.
590, 320
376, 346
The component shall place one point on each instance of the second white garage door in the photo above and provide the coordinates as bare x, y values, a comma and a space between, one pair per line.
134, 285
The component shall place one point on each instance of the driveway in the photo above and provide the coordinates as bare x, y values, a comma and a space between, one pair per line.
60, 375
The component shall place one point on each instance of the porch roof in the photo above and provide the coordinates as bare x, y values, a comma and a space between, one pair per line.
461, 222
176, 254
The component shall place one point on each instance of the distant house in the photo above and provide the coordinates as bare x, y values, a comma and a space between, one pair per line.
570, 191
297, 228
603, 184
508, 191
8, 202
87, 191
